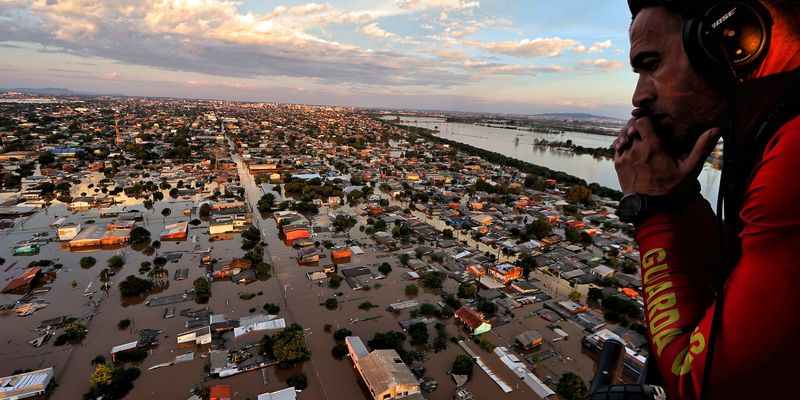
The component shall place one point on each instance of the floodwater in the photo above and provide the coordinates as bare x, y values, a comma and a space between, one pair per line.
300, 301
500, 140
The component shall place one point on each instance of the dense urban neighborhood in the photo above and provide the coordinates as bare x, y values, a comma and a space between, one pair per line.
199, 249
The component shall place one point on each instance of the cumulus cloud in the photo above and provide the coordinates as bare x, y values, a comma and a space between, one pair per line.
594, 47
599, 64
375, 31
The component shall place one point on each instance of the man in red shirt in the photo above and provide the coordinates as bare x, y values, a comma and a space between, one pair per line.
709, 69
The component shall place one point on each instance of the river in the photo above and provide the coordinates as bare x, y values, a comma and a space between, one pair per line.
503, 141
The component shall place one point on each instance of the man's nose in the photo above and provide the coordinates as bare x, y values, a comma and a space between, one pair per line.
645, 92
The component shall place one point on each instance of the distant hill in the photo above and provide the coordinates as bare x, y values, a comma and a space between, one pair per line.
576, 117
50, 91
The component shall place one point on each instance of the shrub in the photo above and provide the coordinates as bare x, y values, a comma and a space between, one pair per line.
331, 304
299, 382
134, 286
365, 305
339, 351
124, 323
486, 345
88, 262
412, 290
272, 308
342, 333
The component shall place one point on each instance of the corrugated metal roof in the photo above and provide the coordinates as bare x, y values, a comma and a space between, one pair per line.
283, 394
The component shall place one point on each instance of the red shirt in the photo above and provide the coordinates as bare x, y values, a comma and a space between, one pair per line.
757, 351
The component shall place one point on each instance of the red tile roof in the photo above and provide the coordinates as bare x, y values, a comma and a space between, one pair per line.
470, 317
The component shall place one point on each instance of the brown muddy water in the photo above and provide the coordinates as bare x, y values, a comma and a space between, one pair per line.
288, 287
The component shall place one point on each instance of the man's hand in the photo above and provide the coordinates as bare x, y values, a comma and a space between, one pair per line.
644, 166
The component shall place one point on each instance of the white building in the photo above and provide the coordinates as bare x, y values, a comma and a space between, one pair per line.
69, 231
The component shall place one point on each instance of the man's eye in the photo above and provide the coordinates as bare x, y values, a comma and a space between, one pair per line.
649, 64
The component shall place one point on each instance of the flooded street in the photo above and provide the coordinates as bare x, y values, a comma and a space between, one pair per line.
299, 298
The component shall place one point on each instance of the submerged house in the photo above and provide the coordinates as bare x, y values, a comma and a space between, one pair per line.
473, 320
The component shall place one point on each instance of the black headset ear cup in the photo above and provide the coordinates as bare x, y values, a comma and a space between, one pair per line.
729, 37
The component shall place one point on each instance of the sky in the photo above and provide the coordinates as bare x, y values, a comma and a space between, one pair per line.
503, 56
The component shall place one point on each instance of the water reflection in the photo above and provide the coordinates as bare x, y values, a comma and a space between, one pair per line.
585, 166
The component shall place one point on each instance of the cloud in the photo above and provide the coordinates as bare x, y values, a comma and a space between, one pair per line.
594, 47
418, 5
600, 64
375, 31
539, 47
213, 37
508, 69
310, 8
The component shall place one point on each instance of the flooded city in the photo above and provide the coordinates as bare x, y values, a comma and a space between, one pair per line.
178, 249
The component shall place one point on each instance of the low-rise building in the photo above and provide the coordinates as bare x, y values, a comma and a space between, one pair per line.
505, 273
26, 385
383, 371
473, 320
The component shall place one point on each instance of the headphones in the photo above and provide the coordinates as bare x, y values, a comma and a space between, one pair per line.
721, 37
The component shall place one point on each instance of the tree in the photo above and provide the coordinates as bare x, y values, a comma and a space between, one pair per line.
486, 345
385, 268
76, 331
102, 374
539, 229
201, 287
139, 235
252, 234
433, 279
343, 223
365, 305
571, 386
467, 290
299, 382
266, 202
575, 295
412, 290
115, 262
331, 303
134, 286
404, 259
205, 208
290, 346
579, 194
124, 323
462, 365
342, 333
339, 351
272, 308
88, 262
335, 281
528, 264
418, 333
46, 158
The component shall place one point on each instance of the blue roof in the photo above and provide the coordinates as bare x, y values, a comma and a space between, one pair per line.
67, 151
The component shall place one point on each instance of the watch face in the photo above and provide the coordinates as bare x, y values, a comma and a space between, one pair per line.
629, 207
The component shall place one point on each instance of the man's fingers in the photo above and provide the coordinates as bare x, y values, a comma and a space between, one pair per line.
702, 148
623, 138
646, 130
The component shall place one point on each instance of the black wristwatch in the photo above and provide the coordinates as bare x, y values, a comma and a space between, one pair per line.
634, 207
